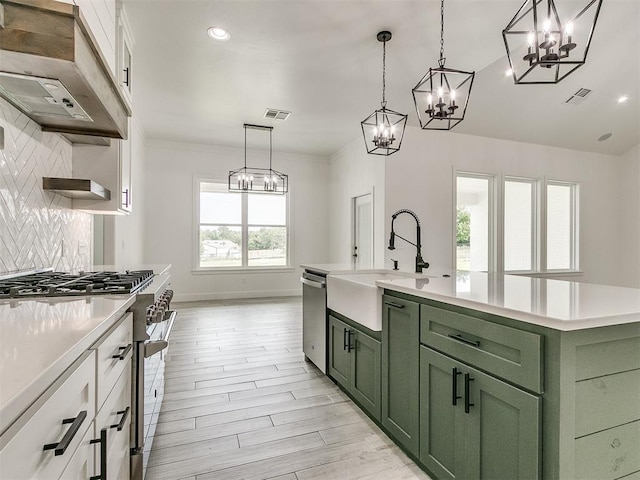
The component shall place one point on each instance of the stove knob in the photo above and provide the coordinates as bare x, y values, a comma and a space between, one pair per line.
150, 314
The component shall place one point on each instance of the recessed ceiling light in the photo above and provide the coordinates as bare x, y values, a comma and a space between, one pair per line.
623, 99
51, 86
508, 72
219, 33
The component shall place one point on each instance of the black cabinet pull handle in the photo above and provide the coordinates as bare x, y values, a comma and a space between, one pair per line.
393, 304
123, 352
344, 339
126, 76
63, 444
467, 400
349, 347
461, 339
125, 414
454, 386
103, 455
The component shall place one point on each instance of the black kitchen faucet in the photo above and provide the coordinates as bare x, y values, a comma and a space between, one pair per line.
420, 263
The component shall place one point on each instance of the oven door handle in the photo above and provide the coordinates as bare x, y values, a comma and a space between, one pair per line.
153, 347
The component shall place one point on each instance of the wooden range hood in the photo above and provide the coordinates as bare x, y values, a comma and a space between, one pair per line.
45, 40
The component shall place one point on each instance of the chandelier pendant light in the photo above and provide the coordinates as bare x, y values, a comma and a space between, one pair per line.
258, 180
442, 95
383, 130
544, 45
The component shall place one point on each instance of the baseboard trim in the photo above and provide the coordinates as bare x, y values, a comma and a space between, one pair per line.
199, 297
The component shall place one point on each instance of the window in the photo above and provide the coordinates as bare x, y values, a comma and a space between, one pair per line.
473, 221
237, 230
526, 238
561, 226
519, 224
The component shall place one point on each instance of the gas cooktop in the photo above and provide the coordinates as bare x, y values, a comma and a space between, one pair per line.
58, 284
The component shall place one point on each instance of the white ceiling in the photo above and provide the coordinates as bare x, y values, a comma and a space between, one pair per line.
320, 60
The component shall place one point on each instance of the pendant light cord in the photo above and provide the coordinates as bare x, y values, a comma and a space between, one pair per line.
384, 71
442, 58
270, 150
245, 147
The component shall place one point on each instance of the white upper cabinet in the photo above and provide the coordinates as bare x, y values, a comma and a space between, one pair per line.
124, 56
110, 167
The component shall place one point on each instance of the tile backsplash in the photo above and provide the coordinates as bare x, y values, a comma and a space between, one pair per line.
37, 228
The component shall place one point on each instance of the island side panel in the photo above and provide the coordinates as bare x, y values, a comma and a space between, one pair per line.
600, 423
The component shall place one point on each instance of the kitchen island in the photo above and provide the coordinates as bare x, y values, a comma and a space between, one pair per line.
501, 376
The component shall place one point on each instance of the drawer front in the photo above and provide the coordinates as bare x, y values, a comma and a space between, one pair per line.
115, 416
114, 354
22, 454
509, 353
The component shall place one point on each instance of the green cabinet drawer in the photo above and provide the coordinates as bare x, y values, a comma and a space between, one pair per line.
512, 354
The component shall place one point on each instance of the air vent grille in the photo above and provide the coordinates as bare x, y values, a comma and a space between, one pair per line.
275, 114
578, 97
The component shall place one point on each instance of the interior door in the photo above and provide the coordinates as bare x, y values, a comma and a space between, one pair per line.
363, 231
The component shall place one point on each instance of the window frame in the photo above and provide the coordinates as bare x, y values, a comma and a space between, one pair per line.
535, 223
574, 246
492, 221
244, 231
496, 231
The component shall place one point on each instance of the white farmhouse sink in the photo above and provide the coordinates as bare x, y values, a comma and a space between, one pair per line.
356, 296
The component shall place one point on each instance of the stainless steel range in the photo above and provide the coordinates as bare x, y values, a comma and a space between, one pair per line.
152, 323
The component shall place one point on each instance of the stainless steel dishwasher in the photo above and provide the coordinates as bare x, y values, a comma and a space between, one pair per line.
314, 318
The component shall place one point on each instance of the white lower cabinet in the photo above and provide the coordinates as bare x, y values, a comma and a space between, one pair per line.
79, 428
115, 417
41, 442
82, 463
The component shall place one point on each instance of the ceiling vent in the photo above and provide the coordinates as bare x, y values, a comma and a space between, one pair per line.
274, 114
578, 97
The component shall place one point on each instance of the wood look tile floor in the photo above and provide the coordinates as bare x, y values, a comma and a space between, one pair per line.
241, 403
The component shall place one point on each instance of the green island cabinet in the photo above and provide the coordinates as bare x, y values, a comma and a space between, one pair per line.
473, 395
400, 365
354, 362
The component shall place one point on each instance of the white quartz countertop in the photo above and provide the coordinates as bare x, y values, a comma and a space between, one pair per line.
557, 304
335, 268
158, 268
40, 338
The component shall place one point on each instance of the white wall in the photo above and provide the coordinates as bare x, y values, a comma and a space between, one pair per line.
629, 198
169, 218
353, 172
421, 177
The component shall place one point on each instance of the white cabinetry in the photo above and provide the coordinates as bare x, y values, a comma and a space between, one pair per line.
124, 55
80, 426
43, 440
113, 399
109, 166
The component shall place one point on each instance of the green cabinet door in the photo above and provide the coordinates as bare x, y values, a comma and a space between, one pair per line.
365, 372
339, 358
354, 362
442, 422
400, 365
503, 439
491, 433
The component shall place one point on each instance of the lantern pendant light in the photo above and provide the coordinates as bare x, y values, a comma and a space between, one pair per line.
545, 45
442, 95
383, 130
258, 180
